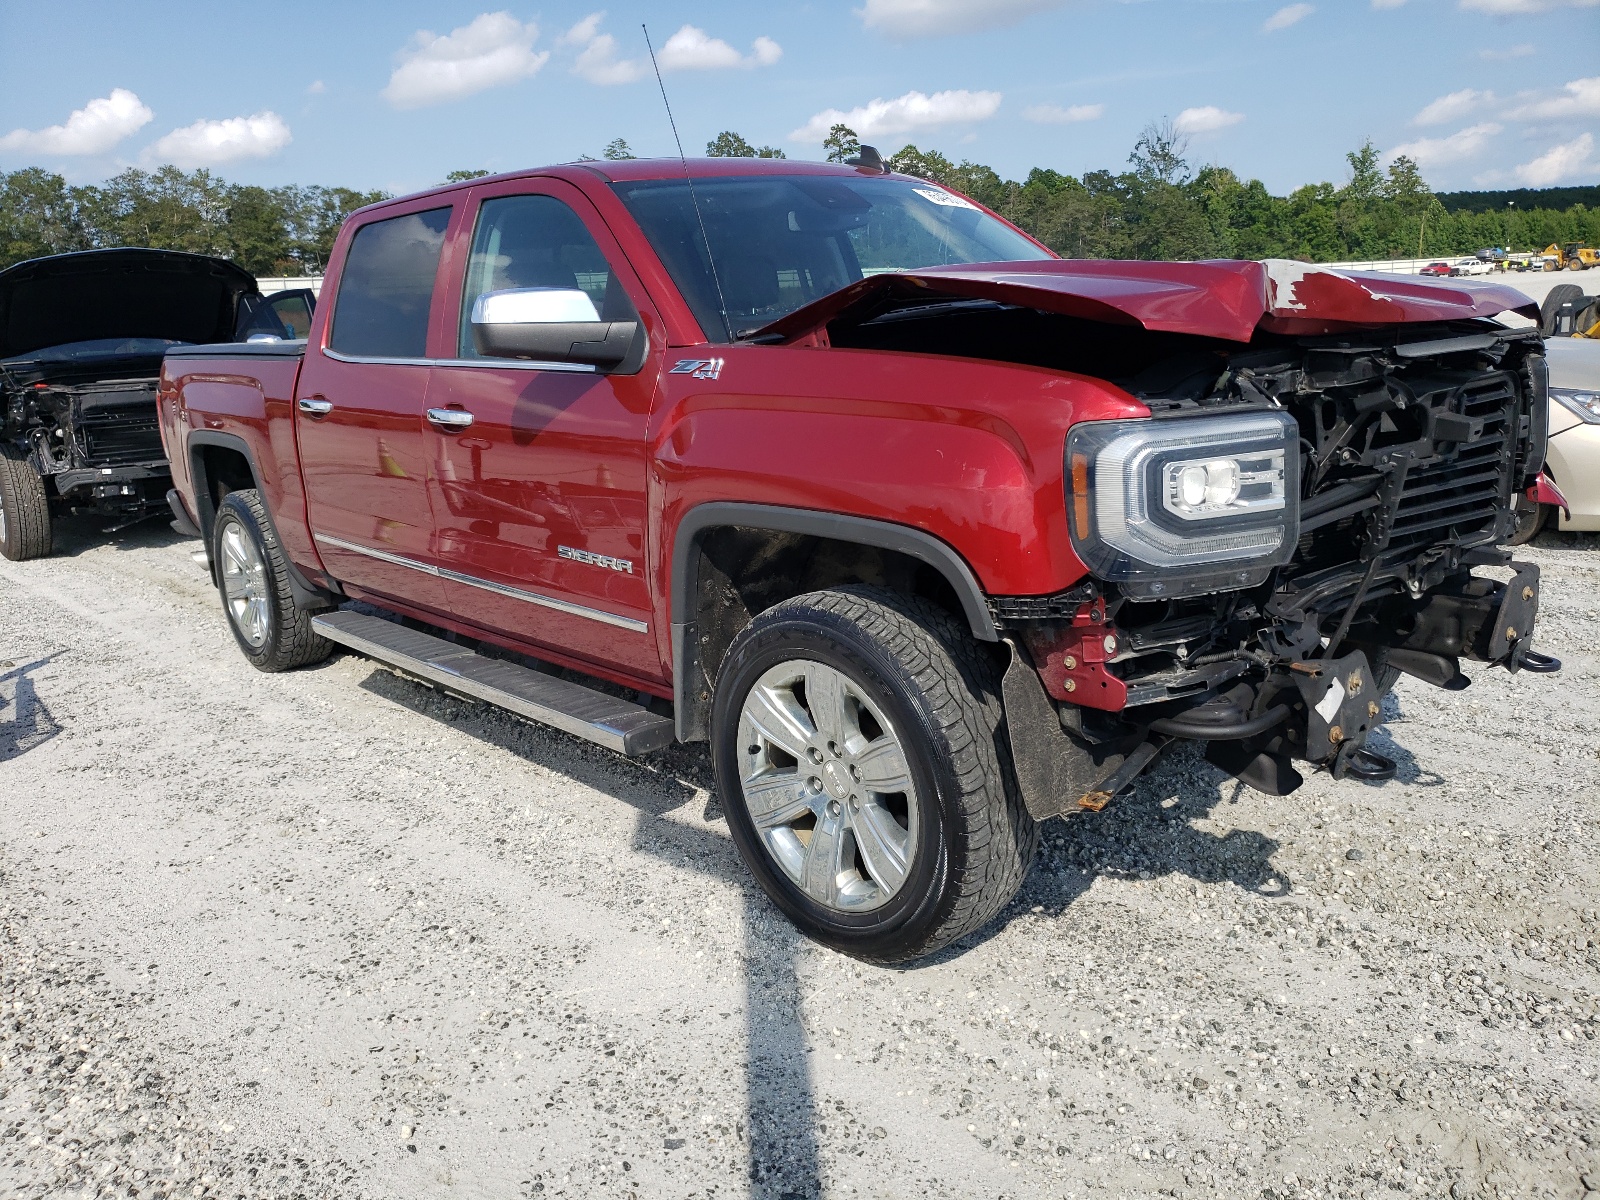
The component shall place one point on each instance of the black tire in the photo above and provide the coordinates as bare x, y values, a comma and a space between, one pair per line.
1553, 300
974, 839
286, 639
24, 508
1531, 516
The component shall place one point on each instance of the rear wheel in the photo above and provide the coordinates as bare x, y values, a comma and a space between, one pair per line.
865, 775
273, 630
24, 508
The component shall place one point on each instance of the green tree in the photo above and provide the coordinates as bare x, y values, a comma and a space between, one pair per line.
841, 143
463, 176
617, 150
39, 215
729, 144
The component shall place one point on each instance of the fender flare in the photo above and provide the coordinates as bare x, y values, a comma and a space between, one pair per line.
306, 593
690, 705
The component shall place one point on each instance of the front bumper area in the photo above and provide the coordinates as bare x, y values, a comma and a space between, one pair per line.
1262, 714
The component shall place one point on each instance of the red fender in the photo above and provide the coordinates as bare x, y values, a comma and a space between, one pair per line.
1545, 492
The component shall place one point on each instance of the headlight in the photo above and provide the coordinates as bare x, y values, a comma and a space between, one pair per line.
1182, 506
1584, 403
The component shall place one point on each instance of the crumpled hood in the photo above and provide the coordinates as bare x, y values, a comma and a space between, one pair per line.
125, 293
1219, 298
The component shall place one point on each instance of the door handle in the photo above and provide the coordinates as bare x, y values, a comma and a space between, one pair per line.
449, 419
315, 406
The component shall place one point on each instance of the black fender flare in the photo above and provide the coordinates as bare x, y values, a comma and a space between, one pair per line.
691, 704
306, 593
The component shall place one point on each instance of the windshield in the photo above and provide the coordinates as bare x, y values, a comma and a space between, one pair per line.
79, 352
783, 241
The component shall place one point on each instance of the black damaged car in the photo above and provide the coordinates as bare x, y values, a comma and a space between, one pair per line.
81, 340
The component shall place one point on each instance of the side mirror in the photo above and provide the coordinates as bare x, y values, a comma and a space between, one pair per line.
550, 325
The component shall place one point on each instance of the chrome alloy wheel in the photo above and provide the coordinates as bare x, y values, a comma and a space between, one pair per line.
244, 583
827, 786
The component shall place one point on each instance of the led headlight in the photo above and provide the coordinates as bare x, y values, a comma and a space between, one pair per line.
1186, 505
1583, 403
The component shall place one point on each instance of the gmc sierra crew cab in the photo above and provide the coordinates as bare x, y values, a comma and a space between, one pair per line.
931, 534
81, 339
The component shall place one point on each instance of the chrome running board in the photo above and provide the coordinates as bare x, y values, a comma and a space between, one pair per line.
583, 712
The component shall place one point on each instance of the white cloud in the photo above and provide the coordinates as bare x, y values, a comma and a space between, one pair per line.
904, 114
1566, 161
598, 62
1054, 114
692, 49
1505, 53
1580, 98
1453, 107
493, 50
1438, 152
211, 143
1518, 8
92, 129
316, 87
1291, 14
904, 20
1207, 119
1382, 4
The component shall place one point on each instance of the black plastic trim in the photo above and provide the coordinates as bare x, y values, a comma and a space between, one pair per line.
181, 520
718, 514
306, 593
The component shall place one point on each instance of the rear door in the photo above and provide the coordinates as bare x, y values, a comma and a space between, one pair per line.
360, 411
539, 488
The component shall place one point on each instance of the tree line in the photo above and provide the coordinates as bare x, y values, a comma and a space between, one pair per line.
1159, 206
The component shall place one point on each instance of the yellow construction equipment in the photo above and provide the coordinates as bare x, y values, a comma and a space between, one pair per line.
1573, 256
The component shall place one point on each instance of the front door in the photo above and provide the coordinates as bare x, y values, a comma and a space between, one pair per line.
361, 412
539, 478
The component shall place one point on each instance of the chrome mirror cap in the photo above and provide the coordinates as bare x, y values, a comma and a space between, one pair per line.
534, 306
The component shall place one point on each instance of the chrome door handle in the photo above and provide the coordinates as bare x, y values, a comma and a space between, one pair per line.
449, 418
315, 407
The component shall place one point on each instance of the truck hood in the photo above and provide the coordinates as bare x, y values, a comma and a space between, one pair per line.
127, 294
1220, 298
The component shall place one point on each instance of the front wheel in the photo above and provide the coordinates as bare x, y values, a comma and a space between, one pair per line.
274, 631
862, 764
1531, 518
24, 508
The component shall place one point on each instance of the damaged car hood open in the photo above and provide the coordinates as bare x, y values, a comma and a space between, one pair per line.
124, 293
1221, 298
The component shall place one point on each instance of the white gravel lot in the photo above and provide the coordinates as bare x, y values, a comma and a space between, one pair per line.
331, 934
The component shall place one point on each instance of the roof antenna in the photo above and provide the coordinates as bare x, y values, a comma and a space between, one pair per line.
694, 199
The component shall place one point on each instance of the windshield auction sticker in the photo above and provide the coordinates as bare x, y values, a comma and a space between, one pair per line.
938, 196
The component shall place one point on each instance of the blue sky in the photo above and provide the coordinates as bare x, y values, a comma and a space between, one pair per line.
1485, 93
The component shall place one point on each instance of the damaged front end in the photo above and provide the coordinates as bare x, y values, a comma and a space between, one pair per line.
81, 341
1295, 525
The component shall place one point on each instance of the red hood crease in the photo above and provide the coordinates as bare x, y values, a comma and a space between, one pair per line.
1221, 298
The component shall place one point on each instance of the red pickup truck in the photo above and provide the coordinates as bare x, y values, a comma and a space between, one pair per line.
930, 533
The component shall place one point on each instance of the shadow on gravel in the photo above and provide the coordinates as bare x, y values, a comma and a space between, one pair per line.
25, 720
77, 535
1147, 833
781, 1110
1142, 834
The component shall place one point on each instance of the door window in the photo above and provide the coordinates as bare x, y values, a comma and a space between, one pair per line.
536, 242
386, 286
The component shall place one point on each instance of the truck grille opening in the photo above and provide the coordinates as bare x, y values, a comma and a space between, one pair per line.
1462, 495
116, 423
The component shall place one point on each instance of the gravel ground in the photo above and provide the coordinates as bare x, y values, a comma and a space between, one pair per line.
331, 934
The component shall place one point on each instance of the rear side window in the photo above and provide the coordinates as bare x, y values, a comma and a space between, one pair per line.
386, 286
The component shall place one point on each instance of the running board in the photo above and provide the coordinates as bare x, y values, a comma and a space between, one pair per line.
583, 712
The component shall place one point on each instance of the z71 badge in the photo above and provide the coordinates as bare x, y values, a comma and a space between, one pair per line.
596, 560
699, 368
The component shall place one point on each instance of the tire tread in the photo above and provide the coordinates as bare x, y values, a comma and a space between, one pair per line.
28, 532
